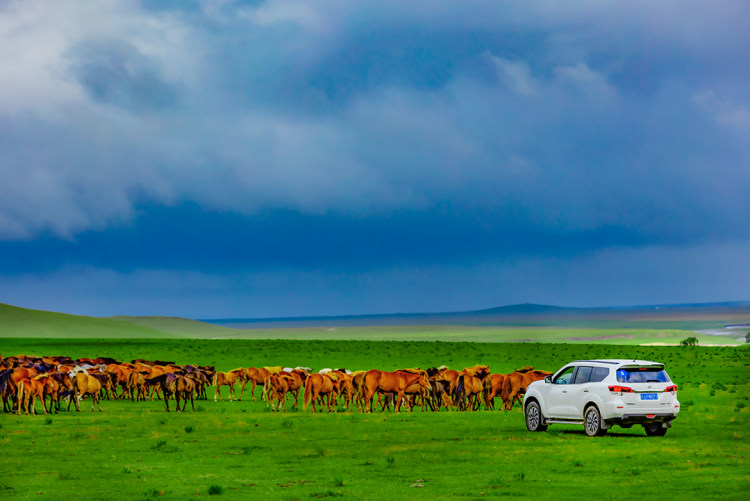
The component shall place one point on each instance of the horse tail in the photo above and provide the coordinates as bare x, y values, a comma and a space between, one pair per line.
19, 397
307, 396
506, 389
459, 391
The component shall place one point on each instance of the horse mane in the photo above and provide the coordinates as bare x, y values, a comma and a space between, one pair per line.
525, 369
413, 370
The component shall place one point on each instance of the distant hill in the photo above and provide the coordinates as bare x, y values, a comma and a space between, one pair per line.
527, 308
23, 322
514, 323
688, 316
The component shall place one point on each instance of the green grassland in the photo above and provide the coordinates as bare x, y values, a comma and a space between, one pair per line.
238, 450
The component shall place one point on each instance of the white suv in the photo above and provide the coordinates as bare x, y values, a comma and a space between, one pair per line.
601, 393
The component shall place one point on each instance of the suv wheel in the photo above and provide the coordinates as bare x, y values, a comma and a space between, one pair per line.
534, 418
592, 422
655, 429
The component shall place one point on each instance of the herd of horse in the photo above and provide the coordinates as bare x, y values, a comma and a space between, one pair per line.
26, 380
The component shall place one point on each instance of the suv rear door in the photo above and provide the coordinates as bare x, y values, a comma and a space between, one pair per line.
647, 384
580, 393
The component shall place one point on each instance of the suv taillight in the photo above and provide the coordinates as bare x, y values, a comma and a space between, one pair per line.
619, 390
672, 388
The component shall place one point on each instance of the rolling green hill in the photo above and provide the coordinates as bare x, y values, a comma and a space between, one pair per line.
22, 322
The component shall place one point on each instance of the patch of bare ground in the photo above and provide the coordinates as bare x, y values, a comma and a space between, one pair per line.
600, 338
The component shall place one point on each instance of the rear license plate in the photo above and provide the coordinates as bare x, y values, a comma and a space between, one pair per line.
648, 396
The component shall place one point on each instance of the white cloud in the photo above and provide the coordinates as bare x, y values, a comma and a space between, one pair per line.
725, 113
516, 75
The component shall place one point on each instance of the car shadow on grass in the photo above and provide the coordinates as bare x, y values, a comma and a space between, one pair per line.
632, 434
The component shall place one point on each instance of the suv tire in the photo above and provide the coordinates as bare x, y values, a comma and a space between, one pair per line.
592, 422
534, 418
655, 429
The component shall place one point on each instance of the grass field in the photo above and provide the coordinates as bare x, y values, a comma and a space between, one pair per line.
238, 450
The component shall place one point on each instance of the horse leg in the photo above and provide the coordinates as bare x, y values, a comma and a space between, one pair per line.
242, 389
44, 404
400, 397
314, 397
218, 391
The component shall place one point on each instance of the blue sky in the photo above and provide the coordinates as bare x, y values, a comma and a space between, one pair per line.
280, 158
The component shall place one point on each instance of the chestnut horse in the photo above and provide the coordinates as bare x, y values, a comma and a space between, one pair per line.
387, 382
255, 376
515, 384
229, 379
318, 386
493, 386
278, 387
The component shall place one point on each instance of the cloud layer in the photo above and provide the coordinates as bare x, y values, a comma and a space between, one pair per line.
353, 134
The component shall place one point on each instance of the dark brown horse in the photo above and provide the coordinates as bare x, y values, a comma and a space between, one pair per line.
174, 384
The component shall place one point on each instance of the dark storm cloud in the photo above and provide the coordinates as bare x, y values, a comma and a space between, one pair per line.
190, 238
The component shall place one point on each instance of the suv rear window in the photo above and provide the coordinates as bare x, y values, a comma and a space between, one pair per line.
641, 375
590, 374
598, 374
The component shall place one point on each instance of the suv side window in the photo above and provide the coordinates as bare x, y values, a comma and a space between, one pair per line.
564, 377
582, 376
598, 374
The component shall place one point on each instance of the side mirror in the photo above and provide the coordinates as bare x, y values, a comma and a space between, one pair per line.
548, 379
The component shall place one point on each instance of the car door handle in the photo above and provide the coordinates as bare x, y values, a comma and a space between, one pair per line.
585, 391
565, 391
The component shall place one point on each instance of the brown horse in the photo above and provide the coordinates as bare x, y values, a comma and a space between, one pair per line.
278, 387
319, 386
255, 376
121, 371
493, 386
387, 382
8, 390
29, 390
515, 384
228, 379
136, 385
200, 380
468, 392
184, 388
83, 385
174, 384
295, 381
